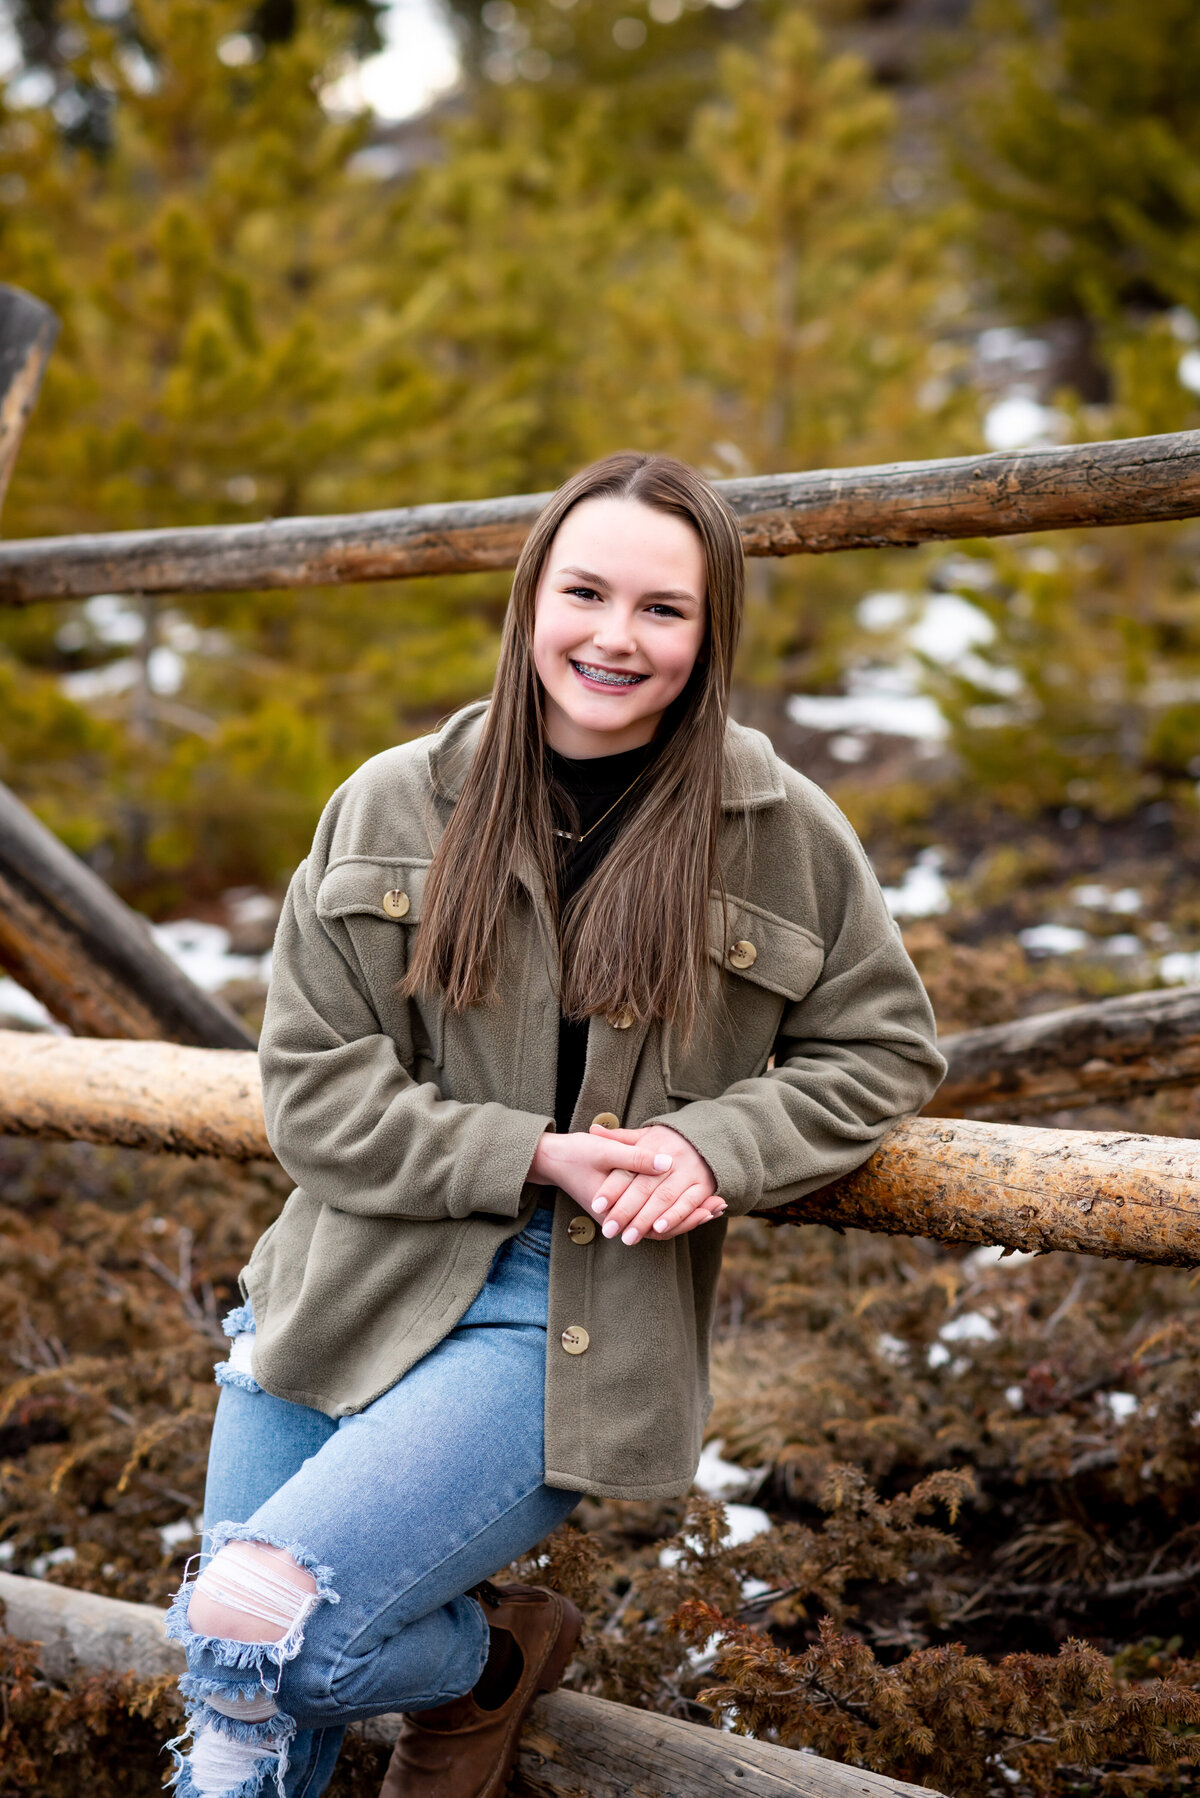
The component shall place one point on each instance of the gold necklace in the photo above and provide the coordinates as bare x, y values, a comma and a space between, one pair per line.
571, 836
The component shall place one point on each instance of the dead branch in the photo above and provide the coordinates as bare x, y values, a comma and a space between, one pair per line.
1111, 1051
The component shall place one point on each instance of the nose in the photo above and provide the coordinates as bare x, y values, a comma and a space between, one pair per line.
614, 634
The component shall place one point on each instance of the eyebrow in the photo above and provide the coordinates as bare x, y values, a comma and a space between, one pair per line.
598, 580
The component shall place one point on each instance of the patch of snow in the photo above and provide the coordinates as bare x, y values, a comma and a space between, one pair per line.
57, 1557
890, 714
1015, 1397
16, 1003
7, 1550
745, 1522
849, 749
995, 1256
1121, 1404
718, 1478
892, 1348
1124, 944
937, 1354
1188, 370
172, 1534
1125, 901
971, 1326
949, 626
1053, 939
202, 951
1020, 422
1180, 968
88, 684
881, 611
922, 892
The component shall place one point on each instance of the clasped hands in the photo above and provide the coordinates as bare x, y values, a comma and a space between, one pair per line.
635, 1183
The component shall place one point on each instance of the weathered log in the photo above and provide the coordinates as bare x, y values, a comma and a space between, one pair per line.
1112, 1050
28, 330
1134, 481
68, 939
957, 1180
571, 1746
135, 1094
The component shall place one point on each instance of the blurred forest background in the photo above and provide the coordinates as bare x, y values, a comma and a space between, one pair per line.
764, 236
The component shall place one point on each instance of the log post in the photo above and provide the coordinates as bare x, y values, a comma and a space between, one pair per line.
1113, 1050
957, 1180
68, 939
28, 330
1136, 481
571, 1746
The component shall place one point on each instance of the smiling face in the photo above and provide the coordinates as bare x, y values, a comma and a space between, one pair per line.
620, 617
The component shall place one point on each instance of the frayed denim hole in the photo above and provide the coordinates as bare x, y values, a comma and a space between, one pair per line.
230, 1651
239, 1321
226, 1374
183, 1781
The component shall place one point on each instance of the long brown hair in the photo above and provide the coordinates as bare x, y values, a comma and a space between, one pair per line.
636, 935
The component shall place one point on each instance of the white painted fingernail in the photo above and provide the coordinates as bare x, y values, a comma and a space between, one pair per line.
599, 1205
662, 1164
660, 1223
630, 1236
611, 1227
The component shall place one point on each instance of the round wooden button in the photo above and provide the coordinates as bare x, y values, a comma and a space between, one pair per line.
620, 1020
396, 904
608, 1120
743, 955
575, 1340
581, 1229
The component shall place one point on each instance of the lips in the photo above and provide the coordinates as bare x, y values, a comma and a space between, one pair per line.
607, 677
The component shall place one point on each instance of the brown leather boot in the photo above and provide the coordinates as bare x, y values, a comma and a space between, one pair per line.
460, 1750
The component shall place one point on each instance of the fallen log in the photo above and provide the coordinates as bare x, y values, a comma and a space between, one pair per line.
571, 1747
958, 1180
28, 330
1137, 480
68, 939
1113, 1050
137, 1095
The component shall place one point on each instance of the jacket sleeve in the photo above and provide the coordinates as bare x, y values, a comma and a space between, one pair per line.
346, 1119
851, 1058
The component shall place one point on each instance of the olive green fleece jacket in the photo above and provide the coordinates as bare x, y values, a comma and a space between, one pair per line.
409, 1132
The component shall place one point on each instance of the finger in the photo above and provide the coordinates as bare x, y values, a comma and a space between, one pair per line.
696, 1198
613, 1154
703, 1214
669, 1197
666, 1190
611, 1189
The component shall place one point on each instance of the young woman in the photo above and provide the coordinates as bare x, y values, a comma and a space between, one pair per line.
557, 989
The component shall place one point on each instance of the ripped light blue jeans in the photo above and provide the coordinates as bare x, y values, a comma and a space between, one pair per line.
395, 1512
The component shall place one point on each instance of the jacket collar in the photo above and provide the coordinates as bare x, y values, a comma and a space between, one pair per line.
751, 780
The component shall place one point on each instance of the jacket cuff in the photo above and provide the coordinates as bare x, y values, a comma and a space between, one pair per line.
722, 1136
498, 1162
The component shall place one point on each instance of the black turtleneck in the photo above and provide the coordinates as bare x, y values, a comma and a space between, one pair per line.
581, 793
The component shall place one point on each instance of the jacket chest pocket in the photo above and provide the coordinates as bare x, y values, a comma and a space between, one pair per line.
379, 903
761, 965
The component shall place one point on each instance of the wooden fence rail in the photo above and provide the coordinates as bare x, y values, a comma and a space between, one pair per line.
957, 1180
571, 1746
1138, 480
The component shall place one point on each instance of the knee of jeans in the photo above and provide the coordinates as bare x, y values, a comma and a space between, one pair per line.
260, 1604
